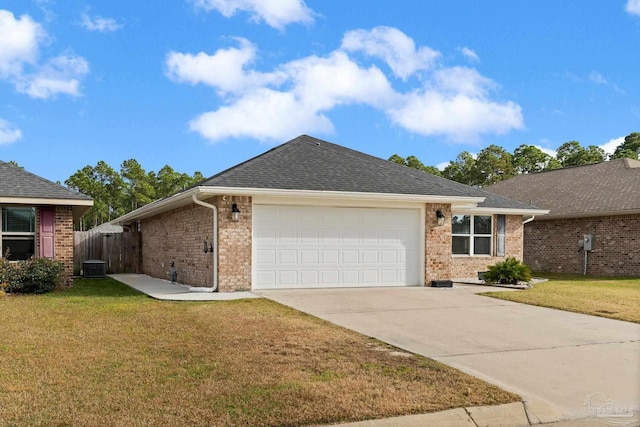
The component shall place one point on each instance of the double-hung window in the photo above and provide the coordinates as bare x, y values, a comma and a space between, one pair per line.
472, 234
18, 232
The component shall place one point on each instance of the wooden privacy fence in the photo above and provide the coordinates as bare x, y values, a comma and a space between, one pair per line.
120, 251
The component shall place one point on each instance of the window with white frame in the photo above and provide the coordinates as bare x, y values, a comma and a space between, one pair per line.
18, 232
471, 234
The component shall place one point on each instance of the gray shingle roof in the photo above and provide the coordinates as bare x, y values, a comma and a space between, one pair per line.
18, 183
307, 163
602, 188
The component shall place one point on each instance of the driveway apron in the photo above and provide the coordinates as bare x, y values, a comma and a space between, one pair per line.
574, 363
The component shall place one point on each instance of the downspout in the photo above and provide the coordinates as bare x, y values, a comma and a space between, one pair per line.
215, 238
528, 220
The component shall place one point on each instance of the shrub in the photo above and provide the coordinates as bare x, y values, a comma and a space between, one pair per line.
510, 271
35, 276
8, 271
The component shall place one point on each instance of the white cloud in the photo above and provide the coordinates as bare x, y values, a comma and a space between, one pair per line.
276, 14
225, 70
441, 166
598, 78
633, 7
394, 47
470, 54
610, 146
295, 97
104, 25
548, 151
265, 114
8, 132
460, 117
61, 75
324, 82
20, 41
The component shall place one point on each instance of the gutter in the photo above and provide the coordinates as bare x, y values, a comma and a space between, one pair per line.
215, 237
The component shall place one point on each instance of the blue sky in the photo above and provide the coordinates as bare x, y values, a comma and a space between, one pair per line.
206, 84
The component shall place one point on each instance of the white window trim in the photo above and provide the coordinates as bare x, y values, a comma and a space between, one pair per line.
471, 236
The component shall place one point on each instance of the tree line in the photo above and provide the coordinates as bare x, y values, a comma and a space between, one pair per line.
493, 163
116, 193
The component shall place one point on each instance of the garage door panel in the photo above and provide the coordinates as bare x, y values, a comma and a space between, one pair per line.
331, 246
287, 235
288, 256
389, 276
309, 277
330, 277
389, 257
330, 256
369, 256
266, 256
329, 236
287, 278
369, 277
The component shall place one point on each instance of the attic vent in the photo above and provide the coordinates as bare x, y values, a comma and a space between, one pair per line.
317, 144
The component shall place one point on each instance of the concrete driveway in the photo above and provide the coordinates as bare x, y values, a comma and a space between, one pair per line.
566, 364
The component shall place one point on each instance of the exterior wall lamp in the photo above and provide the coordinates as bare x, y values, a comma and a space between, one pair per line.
440, 217
235, 213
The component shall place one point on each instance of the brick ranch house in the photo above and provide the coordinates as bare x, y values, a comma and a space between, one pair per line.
310, 213
602, 200
37, 217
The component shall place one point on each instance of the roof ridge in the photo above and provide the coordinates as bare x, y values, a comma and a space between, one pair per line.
241, 165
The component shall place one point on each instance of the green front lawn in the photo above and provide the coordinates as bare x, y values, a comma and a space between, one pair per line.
103, 354
617, 298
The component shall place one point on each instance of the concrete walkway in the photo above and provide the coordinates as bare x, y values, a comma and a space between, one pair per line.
165, 290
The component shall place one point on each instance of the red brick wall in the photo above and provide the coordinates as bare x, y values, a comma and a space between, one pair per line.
235, 244
179, 236
469, 266
63, 241
552, 245
438, 259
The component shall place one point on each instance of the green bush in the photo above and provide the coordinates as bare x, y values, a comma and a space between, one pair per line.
510, 271
8, 271
33, 276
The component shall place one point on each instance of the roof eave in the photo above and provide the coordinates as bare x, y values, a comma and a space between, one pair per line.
506, 211
41, 201
591, 214
184, 198
79, 206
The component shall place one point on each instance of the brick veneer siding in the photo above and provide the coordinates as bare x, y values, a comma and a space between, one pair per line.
438, 259
63, 246
235, 242
552, 245
469, 266
179, 236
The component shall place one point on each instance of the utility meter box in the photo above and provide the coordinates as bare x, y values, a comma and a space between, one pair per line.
587, 244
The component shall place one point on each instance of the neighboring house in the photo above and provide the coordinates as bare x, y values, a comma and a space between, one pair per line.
37, 217
309, 213
602, 200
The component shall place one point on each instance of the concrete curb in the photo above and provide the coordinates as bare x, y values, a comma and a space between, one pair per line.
518, 414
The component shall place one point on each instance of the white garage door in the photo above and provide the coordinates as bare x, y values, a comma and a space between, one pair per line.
308, 247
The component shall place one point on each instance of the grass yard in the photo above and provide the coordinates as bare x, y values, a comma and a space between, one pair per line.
103, 354
616, 298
